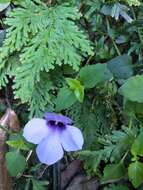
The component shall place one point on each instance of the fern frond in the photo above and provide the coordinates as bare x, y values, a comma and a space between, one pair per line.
42, 37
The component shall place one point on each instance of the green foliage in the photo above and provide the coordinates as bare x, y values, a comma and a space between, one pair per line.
15, 162
18, 144
65, 99
121, 66
135, 172
136, 148
78, 89
47, 64
42, 37
114, 148
4, 5
132, 89
91, 75
113, 172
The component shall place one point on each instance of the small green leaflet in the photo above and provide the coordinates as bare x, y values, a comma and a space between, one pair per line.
91, 75
18, 144
135, 173
77, 87
113, 172
132, 89
65, 99
137, 147
15, 162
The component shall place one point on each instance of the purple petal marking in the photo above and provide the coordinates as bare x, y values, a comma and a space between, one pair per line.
49, 151
35, 130
57, 118
71, 139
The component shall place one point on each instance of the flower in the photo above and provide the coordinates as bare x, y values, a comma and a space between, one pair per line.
117, 10
53, 134
120, 10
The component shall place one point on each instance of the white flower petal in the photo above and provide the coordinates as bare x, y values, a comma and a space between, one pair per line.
49, 151
35, 130
71, 139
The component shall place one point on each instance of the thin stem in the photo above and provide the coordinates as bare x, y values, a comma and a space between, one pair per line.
116, 47
114, 44
122, 160
130, 123
56, 176
29, 155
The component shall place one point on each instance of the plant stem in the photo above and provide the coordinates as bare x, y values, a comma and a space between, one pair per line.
56, 176
114, 44
116, 47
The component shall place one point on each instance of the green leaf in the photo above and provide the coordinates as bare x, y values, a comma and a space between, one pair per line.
65, 99
16, 163
137, 146
18, 144
78, 89
91, 75
73, 83
39, 185
114, 172
79, 93
121, 66
132, 89
4, 5
135, 173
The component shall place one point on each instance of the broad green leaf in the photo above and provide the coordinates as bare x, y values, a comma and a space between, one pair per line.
113, 172
4, 5
137, 146
65, 99
132, 89
121, 66
39, 185
91, 75
18, 144
78, 89
16, 163
135, 173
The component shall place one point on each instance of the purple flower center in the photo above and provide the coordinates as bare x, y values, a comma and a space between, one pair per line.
53, 123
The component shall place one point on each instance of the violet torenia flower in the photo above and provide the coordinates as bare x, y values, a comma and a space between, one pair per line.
53, 134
